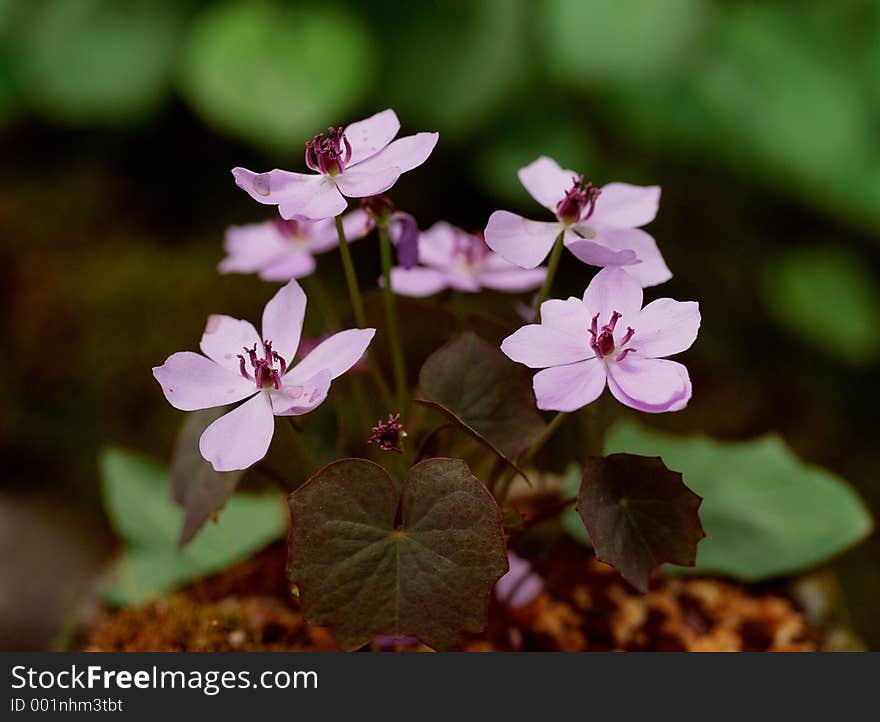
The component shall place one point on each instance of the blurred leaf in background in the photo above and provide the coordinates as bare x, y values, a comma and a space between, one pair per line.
452, 65
828, 297
137, 496
97, 61
608, 42
276, 75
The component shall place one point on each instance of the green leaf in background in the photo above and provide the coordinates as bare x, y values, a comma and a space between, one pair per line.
766, 513
639, 514
828, 297
603, 42
453, 65
275, 75
137, 497
484, 392
369, 560
98, 61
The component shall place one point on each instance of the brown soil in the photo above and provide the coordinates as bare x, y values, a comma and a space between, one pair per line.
584, 606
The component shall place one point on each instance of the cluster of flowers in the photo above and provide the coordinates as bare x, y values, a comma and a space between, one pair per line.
582, 344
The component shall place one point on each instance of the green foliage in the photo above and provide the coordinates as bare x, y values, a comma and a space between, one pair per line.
829, 298
638, 514
766, 513
97, 61
276, 76
452, 65
137, 497
370, 561
610, 41
487, 394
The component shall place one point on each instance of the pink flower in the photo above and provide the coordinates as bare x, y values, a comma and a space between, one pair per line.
608, 336
359, 161
601, 226
462, 261
238, 365
279, 250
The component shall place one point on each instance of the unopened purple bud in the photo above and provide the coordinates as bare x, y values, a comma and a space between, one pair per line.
405, 232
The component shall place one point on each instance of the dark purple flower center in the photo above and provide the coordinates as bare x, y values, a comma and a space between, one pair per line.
579, 202
602, 339
387, 435
328, 154
263, 372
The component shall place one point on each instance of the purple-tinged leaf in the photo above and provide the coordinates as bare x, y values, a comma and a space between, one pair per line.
639, 514
368, 560
195, 486
486, 393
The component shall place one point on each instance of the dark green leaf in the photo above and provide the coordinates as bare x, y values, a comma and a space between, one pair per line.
138, 501
195, 486
766, 513
370, 561
490, 396
639, 514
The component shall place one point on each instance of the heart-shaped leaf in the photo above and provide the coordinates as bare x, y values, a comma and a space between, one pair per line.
639, 514
486, 393
369, 560
138, 502
766, 513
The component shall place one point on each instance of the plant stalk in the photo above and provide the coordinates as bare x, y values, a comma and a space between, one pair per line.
546, 287
397, 358
354, 291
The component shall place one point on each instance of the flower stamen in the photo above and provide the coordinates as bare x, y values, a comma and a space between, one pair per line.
265, 375
579, 201
388, 435
328, 154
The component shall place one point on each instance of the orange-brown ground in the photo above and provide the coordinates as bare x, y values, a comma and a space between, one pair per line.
584, 606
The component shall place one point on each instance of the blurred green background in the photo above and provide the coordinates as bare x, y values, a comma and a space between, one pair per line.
120, 120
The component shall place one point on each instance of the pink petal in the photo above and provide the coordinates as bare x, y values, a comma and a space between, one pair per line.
318, 199
404, 153
514, 280
665, 327
418, 282
462, 281
635, 249
650, 385
368, 137
595, 253
296, 263
309, 197
540, 346
569, 316
546, 182
613, 289
191, 382
297, 399
626, 206
226, 337
367, 180
323, 236
240, 438
437, 244
336, 354
283, 320
250, 247
569, 388
521, 241
520, 585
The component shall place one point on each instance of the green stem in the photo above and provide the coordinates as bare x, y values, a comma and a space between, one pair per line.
397, 359
555, 255
354, 292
